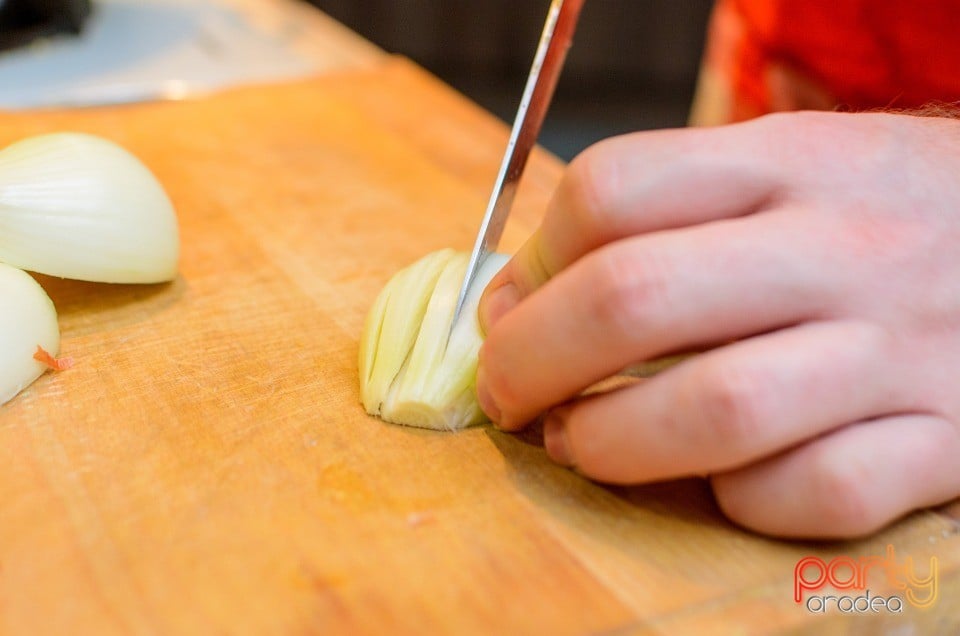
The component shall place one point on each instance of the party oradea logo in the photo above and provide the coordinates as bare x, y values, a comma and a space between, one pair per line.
843, 584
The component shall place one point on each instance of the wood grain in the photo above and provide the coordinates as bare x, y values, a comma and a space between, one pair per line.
206, 467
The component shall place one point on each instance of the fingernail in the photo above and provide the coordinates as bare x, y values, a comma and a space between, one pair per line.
484, 399
496, 303
555, 439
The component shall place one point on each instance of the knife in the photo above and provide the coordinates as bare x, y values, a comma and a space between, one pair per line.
551, 52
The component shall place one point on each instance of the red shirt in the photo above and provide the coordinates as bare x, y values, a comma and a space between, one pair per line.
855, 54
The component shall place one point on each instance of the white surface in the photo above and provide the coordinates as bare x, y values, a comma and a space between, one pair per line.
133, 50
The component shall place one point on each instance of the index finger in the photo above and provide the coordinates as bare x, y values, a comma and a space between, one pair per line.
637, 183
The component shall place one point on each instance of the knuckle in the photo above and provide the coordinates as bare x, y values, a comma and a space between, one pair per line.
807, 132
778, 124
628, 293
734, 404
887, 241
793, 123
872, 339
591, 190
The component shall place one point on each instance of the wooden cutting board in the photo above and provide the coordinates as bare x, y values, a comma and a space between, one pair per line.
206, 467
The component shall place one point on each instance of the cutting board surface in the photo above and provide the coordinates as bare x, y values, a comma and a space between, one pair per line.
205, 467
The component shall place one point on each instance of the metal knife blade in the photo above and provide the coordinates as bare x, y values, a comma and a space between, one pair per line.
547, 63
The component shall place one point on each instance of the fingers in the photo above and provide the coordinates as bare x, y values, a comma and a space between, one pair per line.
639, 298
765, 417
730, 406
849, 483
632, 185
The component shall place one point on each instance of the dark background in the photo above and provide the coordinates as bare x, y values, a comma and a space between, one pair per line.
633, 65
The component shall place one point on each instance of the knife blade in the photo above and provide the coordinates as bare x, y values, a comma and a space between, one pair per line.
555, 41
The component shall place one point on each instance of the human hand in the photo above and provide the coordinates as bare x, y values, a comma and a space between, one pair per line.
816, 255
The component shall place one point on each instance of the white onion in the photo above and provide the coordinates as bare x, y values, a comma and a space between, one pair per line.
410, 372
77, 206
74, 206
27, 320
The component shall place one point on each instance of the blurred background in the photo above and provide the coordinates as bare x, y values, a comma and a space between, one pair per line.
633, 65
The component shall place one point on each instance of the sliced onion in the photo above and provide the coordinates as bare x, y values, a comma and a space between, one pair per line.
410, 373
77, 206
27, 320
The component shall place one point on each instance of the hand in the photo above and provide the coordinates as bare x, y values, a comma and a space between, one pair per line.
816, 256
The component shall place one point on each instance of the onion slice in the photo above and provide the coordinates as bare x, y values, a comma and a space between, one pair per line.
77, 206
27, 320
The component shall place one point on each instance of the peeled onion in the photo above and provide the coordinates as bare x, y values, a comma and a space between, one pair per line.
27, 320
410, 373
77, 206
